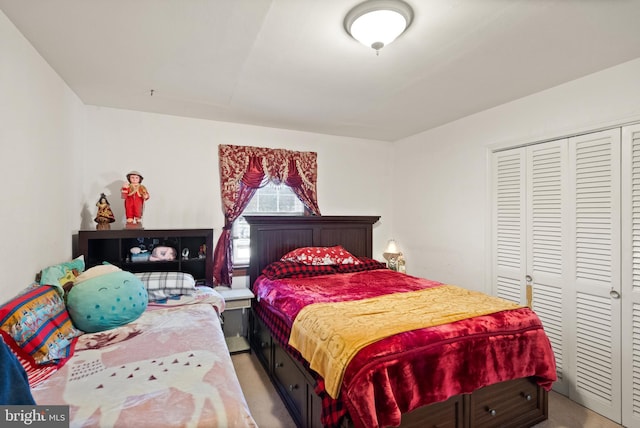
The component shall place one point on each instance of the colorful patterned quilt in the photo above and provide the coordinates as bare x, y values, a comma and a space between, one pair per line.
169, 368
402, 372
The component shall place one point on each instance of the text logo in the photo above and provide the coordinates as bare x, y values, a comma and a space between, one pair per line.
34, 416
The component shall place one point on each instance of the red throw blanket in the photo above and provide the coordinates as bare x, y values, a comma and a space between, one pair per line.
329, 335
408, 370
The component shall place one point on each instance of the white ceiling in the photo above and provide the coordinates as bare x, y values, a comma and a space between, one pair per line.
290, 64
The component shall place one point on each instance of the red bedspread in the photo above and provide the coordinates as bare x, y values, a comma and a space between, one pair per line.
408, 370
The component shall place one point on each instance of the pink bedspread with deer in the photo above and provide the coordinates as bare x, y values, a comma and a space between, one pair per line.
169, 368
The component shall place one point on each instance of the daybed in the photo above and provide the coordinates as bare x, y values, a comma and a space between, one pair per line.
491, 366
168, 367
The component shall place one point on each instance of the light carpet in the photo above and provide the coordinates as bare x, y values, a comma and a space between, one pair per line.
269, 411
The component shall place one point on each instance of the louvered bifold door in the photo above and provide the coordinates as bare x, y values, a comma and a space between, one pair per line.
508, 218
631, 276
547, 242
595, 272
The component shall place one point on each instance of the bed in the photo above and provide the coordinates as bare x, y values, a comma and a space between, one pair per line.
168, 367
491, 369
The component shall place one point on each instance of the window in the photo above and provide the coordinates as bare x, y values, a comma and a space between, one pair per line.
271, 199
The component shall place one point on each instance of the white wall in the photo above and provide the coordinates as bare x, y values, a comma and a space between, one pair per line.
41, 126
178, 158
58, 155
441, 210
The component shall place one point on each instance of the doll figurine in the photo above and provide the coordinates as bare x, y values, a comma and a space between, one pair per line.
104, 216
134, 195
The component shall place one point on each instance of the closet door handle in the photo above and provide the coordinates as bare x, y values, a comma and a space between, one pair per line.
529, 290
614, 294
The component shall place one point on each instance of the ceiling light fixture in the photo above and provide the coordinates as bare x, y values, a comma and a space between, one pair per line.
376, 23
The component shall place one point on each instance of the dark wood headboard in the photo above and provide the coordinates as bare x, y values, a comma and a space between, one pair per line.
274, 236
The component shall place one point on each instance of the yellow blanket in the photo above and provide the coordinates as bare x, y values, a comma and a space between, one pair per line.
329, 335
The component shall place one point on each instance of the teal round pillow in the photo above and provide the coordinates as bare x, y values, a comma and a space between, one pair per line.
107, 301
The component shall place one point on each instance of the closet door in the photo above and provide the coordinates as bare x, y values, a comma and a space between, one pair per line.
595, 272
631, 275
509, 228
547, 244
529, 235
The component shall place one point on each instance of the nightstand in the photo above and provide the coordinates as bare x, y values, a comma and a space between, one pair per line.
235, 317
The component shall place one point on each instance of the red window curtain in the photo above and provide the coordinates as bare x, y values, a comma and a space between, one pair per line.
243, 170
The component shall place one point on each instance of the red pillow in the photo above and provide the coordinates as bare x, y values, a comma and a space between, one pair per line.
320, 256
280, 269
39, 323
366, 263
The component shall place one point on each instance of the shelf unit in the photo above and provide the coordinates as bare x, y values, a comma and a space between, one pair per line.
235, 317
113, 246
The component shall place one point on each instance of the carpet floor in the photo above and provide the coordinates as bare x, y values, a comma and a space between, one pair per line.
269, 411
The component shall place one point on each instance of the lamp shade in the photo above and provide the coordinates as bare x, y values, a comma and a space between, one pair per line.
376, 23
392, 247
391, 251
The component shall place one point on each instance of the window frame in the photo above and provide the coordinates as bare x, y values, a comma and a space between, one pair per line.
243, 264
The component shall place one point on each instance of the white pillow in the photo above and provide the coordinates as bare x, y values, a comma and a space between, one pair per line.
96, 271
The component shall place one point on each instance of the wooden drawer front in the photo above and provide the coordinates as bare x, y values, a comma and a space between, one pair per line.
261, 342
447, 414
314, 406
291, 381
516, 403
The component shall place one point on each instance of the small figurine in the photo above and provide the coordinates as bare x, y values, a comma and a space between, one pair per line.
402, 267
134, 195
104, 216
202, 251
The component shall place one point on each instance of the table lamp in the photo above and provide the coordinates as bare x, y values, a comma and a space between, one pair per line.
392, 254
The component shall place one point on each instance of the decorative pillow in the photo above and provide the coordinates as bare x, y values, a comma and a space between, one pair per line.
107, 301
39, 323
366, 263
320, 256
96, 271
288, 269
63, 273
162, 285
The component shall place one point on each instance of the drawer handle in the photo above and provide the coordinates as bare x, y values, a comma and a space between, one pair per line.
292, 387
492, 412
263, 344
526, 396
278, 365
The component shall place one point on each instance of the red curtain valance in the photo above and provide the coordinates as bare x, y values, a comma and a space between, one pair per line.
243, 169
